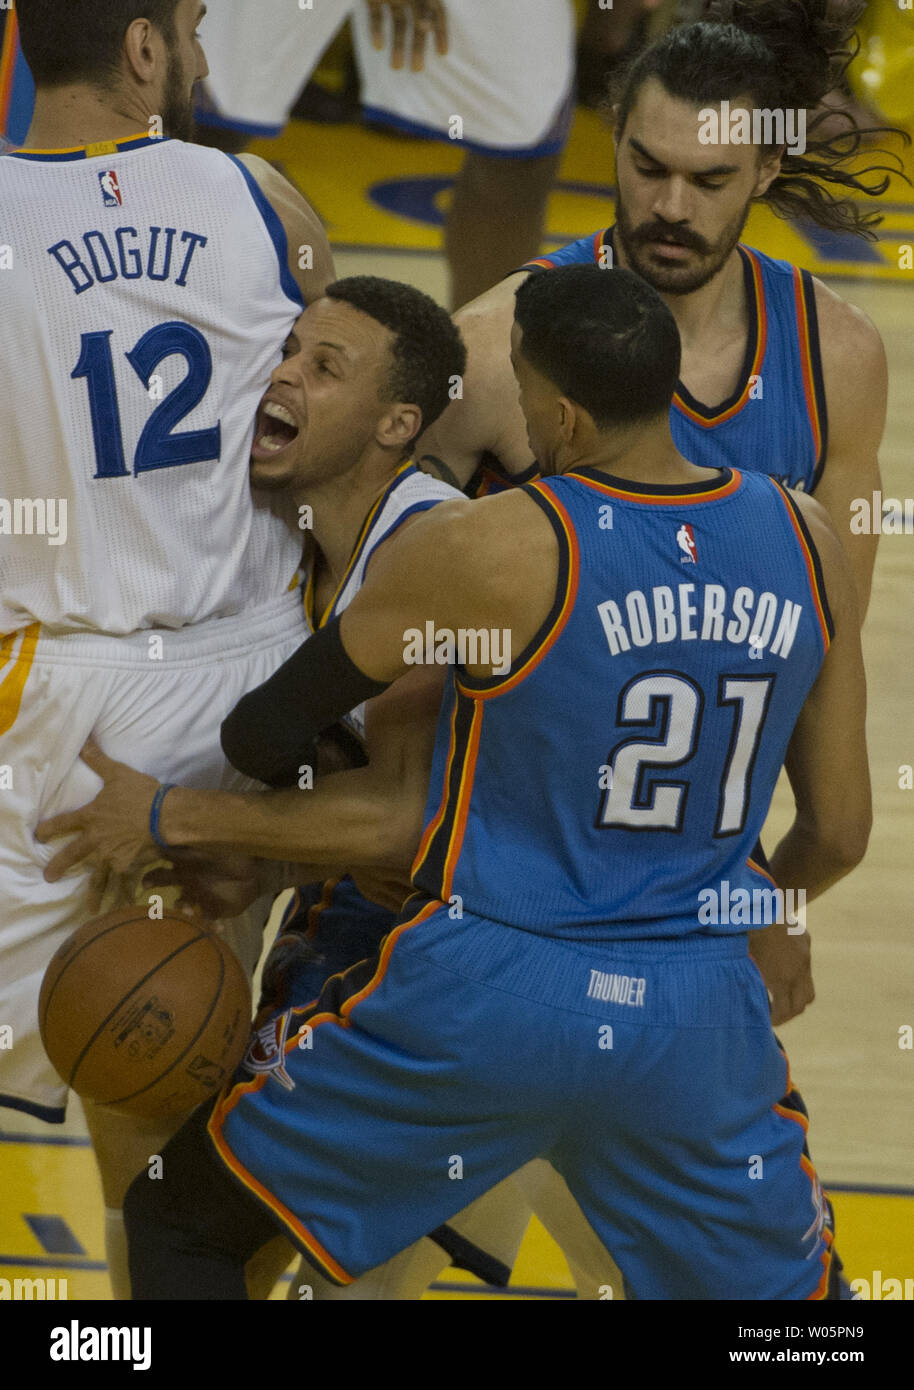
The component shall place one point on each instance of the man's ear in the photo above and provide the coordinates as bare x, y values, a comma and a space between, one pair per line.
401, 425
568, 418
140, 50
768, 170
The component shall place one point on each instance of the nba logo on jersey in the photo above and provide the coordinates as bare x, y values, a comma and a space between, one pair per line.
111, 189
685, 539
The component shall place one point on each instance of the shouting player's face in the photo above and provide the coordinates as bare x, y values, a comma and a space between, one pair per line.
681, 205
186, 66
327, 401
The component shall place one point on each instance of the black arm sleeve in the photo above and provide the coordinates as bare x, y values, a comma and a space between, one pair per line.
270, 733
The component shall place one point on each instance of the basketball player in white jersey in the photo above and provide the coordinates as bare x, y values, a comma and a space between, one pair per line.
497, 82
143, 586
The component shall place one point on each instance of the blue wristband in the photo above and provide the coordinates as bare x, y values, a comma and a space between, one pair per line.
156, 810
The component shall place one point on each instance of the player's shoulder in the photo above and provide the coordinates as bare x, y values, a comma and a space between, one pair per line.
835, 566
848, 337
206, 157
505, 525
842, 325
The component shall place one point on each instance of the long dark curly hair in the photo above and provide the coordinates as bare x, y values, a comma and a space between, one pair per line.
784, 54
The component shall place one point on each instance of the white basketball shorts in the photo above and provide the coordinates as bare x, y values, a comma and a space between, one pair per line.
505, 86
154, 700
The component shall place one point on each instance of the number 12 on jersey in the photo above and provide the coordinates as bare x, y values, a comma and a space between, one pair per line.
158, 446
636, 802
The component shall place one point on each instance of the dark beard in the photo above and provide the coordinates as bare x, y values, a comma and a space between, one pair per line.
676, 279
177, 102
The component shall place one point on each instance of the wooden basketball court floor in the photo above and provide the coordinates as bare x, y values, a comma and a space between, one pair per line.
846, 1051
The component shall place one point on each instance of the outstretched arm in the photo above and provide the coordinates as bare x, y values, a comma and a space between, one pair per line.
367, 817
856, 383
829, 774
486, 417
464, 566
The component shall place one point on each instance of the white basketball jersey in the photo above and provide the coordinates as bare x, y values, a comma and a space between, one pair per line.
143, 307
409, 491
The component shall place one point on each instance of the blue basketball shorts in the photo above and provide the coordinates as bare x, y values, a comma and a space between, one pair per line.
646, 1072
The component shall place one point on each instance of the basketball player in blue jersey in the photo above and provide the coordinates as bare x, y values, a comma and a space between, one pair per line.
152, 286
576, 1007
361, 367
779, 373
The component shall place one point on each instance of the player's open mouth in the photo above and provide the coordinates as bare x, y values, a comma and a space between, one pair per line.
276, 430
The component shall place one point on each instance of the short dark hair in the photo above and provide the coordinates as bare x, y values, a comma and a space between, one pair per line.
782, 54
605, 338
427, 350
82, 40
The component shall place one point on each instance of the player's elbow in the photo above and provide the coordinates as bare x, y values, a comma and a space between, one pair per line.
252, 750
844, 844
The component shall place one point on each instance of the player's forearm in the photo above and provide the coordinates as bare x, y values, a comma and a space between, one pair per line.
804, 860
325, 826
861, 552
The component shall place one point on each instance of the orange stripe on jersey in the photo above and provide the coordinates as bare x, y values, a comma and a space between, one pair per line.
100, 146
810, 566
759, 870
301, 1233
8, 66
679, 499
809, 392
549, 639
236, 1093
821, 1290
13, 683
464, 795
761, 342
432, 828
349, 1004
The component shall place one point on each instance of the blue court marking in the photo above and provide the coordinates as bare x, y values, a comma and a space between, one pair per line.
866, 1189
83, 1142
526, 1290
837, 246
415, 198
41, 1262
54, 1235
71, 1141
100, 1267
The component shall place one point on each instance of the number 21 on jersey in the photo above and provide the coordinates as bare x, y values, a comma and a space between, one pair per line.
636, 801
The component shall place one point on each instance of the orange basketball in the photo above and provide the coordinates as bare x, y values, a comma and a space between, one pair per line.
151, 1017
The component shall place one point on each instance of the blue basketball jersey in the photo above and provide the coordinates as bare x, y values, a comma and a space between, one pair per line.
775, 420
625, 762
